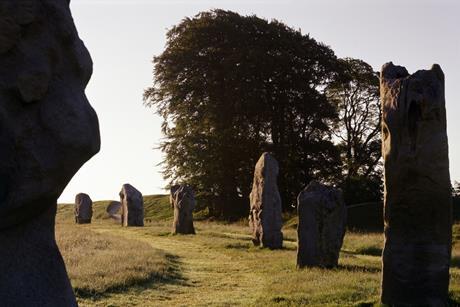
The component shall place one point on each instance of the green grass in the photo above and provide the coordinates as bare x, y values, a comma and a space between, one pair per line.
157, 208
102, 263
220, 267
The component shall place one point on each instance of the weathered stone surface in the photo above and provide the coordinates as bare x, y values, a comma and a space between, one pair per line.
417, 209
132, 206
182, 199
114, 210
265, 218
322, 222
83, 209
47, 131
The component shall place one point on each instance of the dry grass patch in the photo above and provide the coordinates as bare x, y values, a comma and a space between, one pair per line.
97, 263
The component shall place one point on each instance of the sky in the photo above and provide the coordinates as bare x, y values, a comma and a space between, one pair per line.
123, 36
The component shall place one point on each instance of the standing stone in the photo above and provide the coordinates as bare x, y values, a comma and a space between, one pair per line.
322, 221
114, 211
83, 209
265, 218
182, 199
132, 206
418, 204
48, 130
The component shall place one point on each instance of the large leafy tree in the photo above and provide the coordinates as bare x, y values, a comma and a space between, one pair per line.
230, 87
355, 93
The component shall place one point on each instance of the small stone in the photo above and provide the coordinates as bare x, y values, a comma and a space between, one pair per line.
114, 210
83, 209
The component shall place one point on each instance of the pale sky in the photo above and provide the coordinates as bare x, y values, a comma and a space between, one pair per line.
124, 35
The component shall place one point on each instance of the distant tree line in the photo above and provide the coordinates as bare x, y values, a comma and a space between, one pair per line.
230, 87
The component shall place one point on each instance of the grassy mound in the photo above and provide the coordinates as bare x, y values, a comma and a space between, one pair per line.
156, 208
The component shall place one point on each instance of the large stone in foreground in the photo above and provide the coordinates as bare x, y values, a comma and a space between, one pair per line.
265, 218
48, 130
182, 199
132, 206
83, 209
322, 221
418, 205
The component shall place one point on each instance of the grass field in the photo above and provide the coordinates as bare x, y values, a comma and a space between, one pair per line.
113, 266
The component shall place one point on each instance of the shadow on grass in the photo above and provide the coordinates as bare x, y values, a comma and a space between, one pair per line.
368, 251
233, 236
453, 300
358, 268
289, 248
172, 275
164, 234
250, 247
455, 262
371, 251
239, 246
303, 301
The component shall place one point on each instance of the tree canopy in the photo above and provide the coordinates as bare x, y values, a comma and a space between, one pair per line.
230, 87
355, 93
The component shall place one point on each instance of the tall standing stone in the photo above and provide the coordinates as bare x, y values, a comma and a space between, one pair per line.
418, 205
83, 209
322, 221
265, 218
132, 206
182, 200
48, 130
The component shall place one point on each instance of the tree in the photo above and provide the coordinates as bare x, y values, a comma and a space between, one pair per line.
355, 93
230, 87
